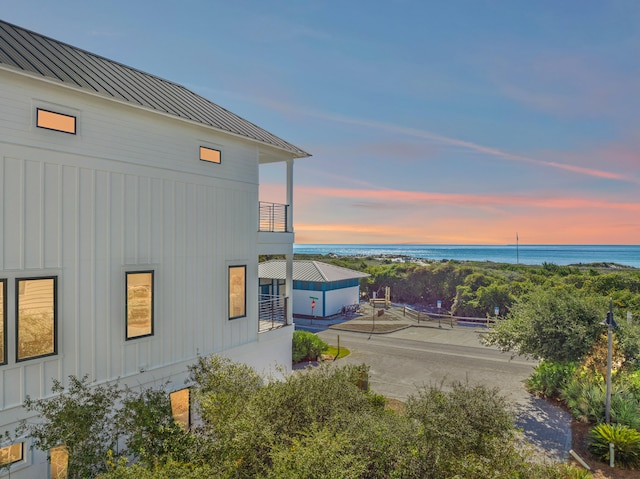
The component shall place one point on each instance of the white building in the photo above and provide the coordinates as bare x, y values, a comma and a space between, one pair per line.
130, 229
319, 289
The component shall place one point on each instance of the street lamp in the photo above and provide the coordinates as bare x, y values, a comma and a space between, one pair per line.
610, 323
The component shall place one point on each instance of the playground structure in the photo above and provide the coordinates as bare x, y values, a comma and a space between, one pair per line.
382, 302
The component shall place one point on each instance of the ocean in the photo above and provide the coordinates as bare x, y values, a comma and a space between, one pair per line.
628, 255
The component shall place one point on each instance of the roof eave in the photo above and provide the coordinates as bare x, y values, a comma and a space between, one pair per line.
84, 91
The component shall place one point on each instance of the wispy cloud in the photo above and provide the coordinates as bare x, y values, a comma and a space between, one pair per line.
475, 200
463, 145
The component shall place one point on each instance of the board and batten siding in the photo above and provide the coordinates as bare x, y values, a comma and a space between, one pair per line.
127, 192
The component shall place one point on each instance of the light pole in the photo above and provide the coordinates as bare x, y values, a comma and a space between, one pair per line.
610, 325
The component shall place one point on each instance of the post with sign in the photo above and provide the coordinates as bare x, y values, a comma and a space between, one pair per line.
313, 306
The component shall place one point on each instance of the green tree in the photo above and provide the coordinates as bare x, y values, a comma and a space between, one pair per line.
151, 434
558, 324
80, 417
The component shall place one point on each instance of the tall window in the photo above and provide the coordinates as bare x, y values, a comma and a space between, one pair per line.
3, 321
11, 454
51, 120
139, 304
37, 317
237, 291
180, 407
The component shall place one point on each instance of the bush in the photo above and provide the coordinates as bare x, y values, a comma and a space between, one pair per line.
170, 470
626, 442
549, 377
80, 417
585, 397
308, 346
466, 420
152, 434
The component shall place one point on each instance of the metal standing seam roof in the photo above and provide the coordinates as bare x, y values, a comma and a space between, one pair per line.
307, 270
41, 56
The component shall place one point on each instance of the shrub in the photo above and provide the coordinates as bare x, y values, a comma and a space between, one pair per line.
626, 442
625, 408
79, 417
152, 434
170, 470
549, 377
307, 345
585, 397
317, 454
468, 419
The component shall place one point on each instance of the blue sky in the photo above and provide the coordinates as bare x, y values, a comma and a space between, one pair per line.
428, 122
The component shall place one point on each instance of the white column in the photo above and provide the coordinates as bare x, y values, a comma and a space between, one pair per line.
289, 257
290, 195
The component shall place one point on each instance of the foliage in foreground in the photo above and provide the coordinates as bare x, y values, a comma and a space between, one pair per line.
626, 442
91, 420
314, 424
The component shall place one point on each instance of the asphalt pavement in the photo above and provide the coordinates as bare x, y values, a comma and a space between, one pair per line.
404, 356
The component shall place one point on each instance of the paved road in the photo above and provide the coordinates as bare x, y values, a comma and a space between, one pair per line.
403, 361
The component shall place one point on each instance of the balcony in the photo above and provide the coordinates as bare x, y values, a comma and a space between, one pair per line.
272, 312
273, 217
274, 234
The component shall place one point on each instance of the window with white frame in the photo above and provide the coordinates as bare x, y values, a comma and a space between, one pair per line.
11, 454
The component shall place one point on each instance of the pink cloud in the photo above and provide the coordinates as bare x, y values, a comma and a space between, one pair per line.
473, 200
426, 217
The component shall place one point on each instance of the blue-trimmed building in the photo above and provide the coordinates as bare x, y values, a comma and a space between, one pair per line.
319, 289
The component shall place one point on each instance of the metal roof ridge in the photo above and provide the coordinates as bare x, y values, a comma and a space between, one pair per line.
322, 273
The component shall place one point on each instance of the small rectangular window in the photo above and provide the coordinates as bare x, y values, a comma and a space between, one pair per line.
181, 407
237, 291
211, 155
11, 454
56, 121
59, 459
3, 321
139, 289
37, 317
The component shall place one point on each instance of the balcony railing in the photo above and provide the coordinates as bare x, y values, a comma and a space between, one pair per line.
272, 312
273, 217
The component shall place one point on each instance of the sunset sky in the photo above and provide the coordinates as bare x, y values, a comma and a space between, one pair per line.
428, 121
